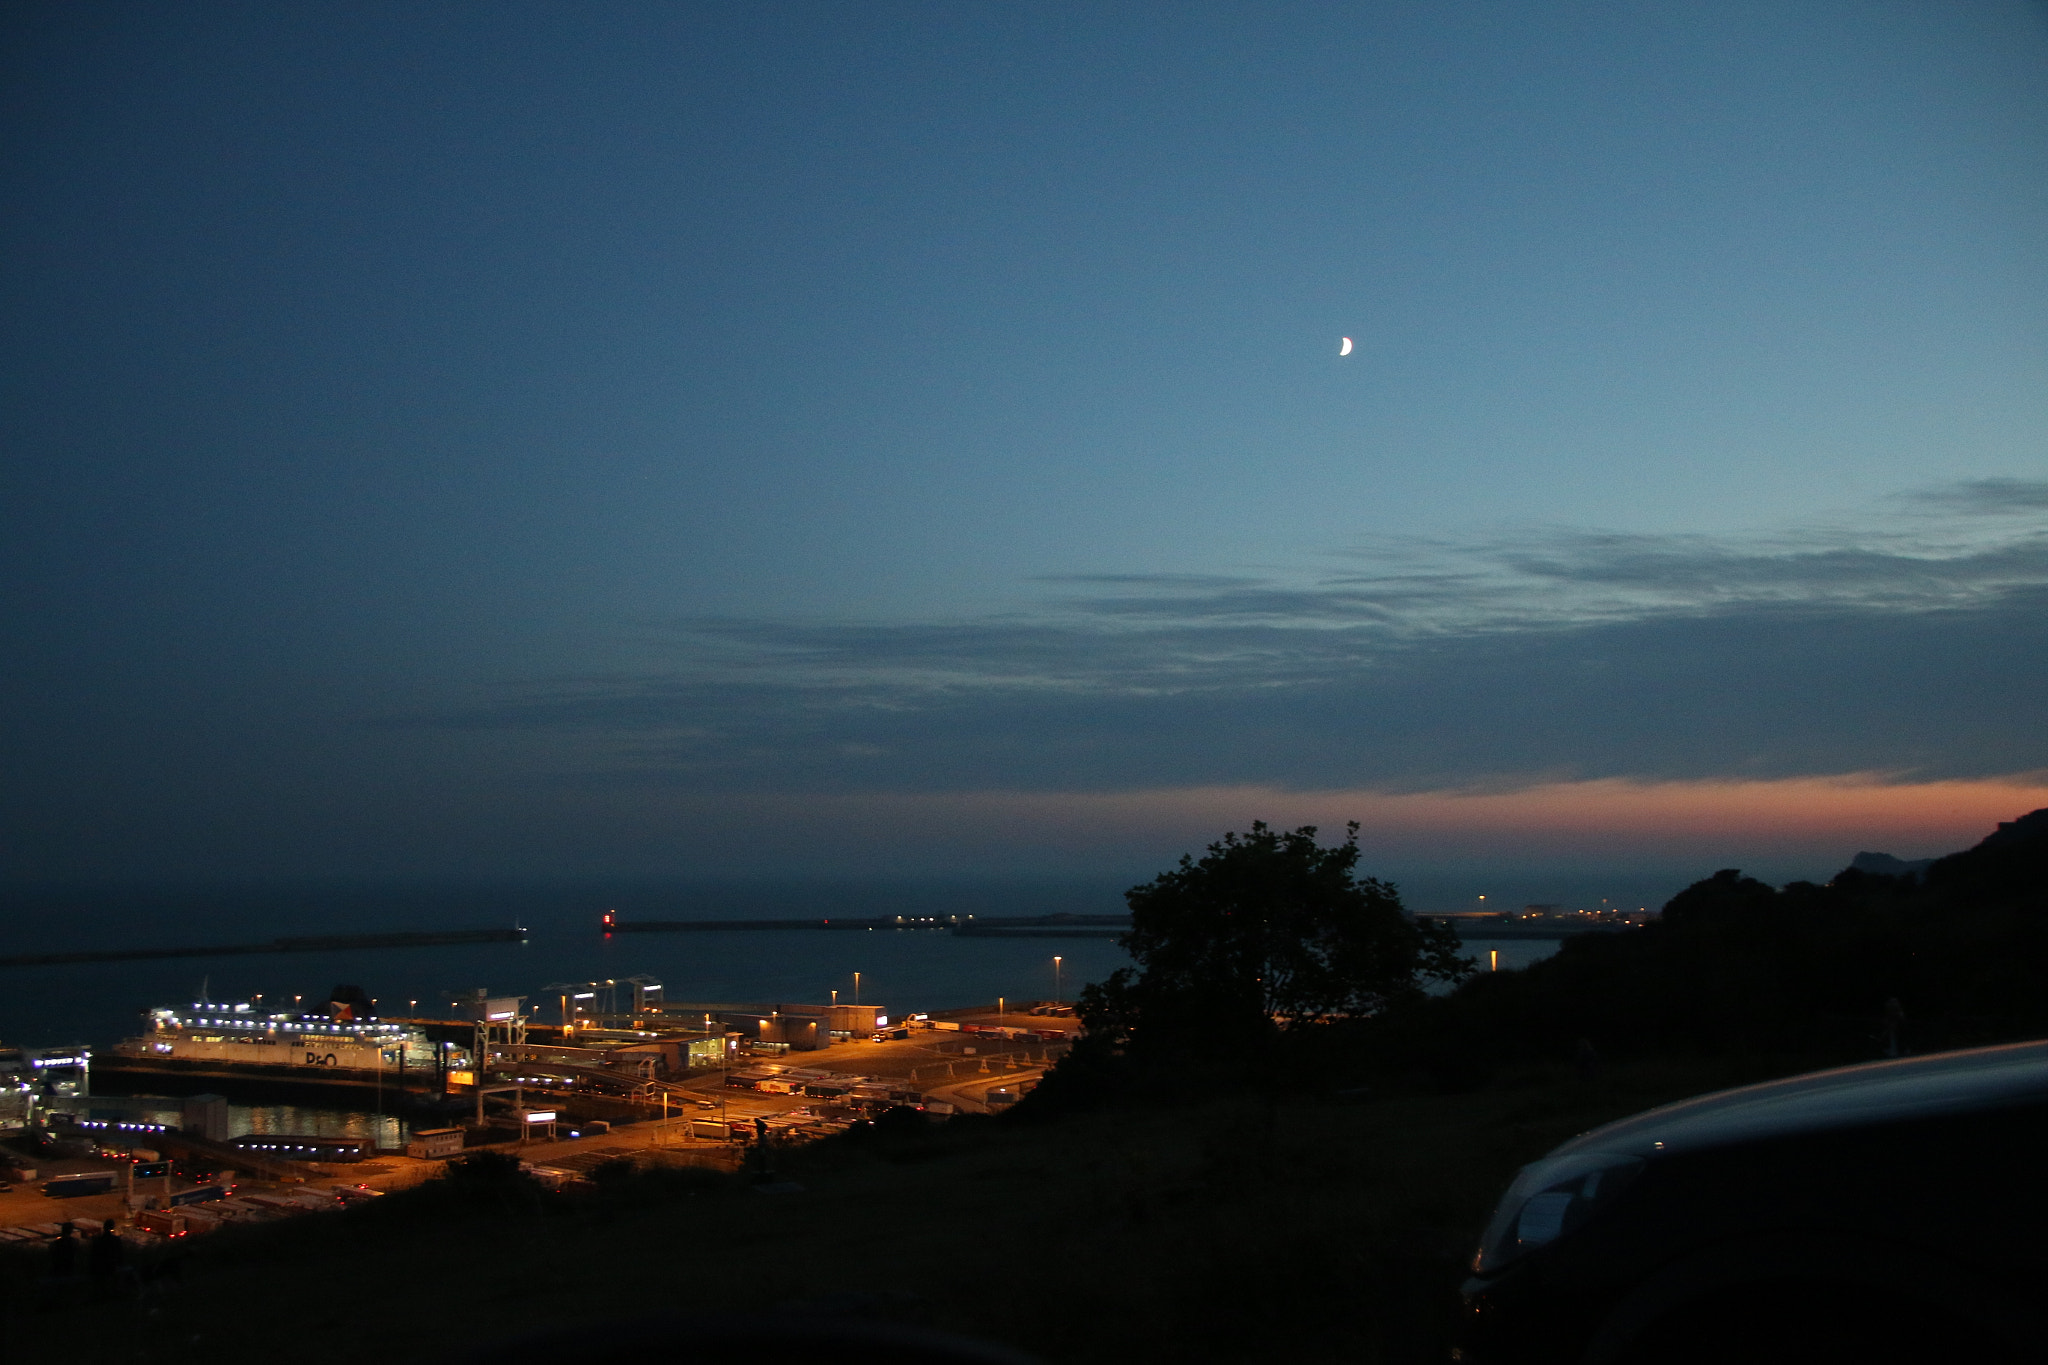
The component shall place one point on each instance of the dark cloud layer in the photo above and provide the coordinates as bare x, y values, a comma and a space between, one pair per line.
1918, 651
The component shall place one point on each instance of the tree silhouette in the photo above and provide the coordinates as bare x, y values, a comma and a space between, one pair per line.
1268, 933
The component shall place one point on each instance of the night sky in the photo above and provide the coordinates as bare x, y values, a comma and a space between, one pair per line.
562, 440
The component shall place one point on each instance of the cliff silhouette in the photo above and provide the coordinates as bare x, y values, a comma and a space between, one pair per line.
1950, 954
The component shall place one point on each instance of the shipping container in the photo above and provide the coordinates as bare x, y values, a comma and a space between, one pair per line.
162, 1222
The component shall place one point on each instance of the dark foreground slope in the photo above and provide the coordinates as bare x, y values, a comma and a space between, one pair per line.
1220, 1231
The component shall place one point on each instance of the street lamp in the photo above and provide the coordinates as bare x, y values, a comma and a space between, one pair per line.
856, 988
835, 997
721, 1078
1056, 981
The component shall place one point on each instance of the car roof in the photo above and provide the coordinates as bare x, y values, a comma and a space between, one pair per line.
1848, 1097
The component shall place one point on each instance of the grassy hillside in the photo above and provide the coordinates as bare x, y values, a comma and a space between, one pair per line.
1311, 1230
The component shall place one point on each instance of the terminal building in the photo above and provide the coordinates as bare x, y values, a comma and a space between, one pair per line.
34, 1081
805, 1028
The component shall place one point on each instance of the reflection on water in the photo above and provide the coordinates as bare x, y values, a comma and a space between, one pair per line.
1504, 955
1514, 952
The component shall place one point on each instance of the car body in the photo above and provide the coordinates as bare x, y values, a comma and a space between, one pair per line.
1890, 1211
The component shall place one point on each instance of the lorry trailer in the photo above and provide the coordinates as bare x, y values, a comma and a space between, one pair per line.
79, 1183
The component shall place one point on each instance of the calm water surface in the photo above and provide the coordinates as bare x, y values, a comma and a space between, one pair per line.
906, 971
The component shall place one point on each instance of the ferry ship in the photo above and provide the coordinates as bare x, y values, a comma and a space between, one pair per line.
345, 1046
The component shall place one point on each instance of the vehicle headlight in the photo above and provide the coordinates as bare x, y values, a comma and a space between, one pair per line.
1550, 1198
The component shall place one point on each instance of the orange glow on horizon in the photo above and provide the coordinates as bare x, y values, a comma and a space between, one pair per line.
1611, 815
1808, 826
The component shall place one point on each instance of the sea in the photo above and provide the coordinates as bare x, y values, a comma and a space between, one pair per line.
904, 971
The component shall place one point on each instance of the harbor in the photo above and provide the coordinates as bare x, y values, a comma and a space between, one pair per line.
345, 1089
617, 1074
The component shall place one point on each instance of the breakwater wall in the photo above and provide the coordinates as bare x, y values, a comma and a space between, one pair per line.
316, 943
991, 926
1504, 932
1059, 926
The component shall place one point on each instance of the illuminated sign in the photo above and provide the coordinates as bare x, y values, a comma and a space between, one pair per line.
541, 1116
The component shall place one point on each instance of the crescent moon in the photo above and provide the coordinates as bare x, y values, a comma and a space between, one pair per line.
1345, 349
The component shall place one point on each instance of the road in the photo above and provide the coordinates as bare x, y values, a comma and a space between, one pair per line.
958, 1067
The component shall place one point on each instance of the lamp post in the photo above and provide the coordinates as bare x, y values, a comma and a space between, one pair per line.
856, 988
835, 997
721, 1077
1056, 996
